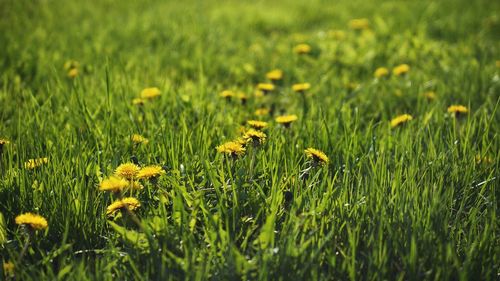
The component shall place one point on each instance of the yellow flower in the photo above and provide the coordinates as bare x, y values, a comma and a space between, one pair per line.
259, 125
316, 155
227, 94
401, 69
138, 101
359, 24
337, 34
137, 139
301, 87
232, 148
265, 87
257, 137
127, 171
430, 95
2, 143
34, 163
150, 93
150, 172
274, 75
126, 203
262, 111
381, 72
302, 49
400, 120
457, 109
72, 73
113, 184
8, 268
286, 120
34, 221
243, 98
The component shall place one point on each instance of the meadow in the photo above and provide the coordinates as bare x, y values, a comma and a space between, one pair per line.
249, 140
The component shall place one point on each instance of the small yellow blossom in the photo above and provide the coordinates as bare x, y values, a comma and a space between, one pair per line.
130, 203
265, 87
34, 221
401, 119
286, 120
254, 136
149, 172
127, 171
72, 73
457, 109
243, 98
300, 88
430, 95
150, 93
275, 75
316, 155
227, 94
113, 184
258, 93
137, 139
258, 125
359, 24
302, 49
138, 101
401, 69
8, 268
232, 148
262, 111
34, 163
381, 72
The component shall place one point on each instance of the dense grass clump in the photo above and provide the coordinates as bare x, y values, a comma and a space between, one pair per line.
249, 140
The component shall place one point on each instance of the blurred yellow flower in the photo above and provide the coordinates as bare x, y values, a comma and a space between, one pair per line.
301, 87
254, 136
127, 171
138, 139
113, 184
227, 94
457, 109
430, 95
302, 49
34, 221
275, 75
232, 148
401, 69
265, 87
258, 125
130, 203
286, 120
337, 34
8, 268
381, 72
317, 155
401, 119
72, 73
70, 64
149, 172
34, 163
359, 24
243, 98
150, 93
138, 101
262, 111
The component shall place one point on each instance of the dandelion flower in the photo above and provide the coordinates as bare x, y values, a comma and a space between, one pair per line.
275, 75
258, 125
2, 143
232, 148
430, 95
34, 163
138, 139
8, 268
401, 69
359, 24
265, 87
262, 111
227, 94
243, 98
138, 101
113, 184
286, 120
302, 49
401, 119
127, 171
34, 221
317, 156
254, 136
301, 87
149, 172
130, 203
457, 109
381, 72
72, 73
150, 93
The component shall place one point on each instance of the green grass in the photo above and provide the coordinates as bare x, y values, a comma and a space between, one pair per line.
410, 203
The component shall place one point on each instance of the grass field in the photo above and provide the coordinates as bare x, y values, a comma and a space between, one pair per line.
413, 198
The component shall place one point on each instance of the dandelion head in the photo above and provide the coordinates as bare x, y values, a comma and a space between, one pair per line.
302, 49
275, 75
72, 73
127, 171
227, 94
138, 139
254, 136
35, 163
258, 125
457, 109
359, 24
430, 95
381, 72
286, 120
113, 184
401, 69
232, 148
8, 268
401, 119
262, 111
265, 87
138, 101
150, 93
34, 221
129, 203
316, 155
301, 87
149, 172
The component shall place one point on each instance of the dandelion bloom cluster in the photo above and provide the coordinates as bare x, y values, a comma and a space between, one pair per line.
286, 120
138, 139
401, 119
232, 148
149, 172
381, 72
275, 75
359, 24
257, 137
130, 203
317, 155
34, 221
301, 87
113, 184
35, 163
457, 109
150, 93
401, 69
302, 49
127, 170
258, 125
